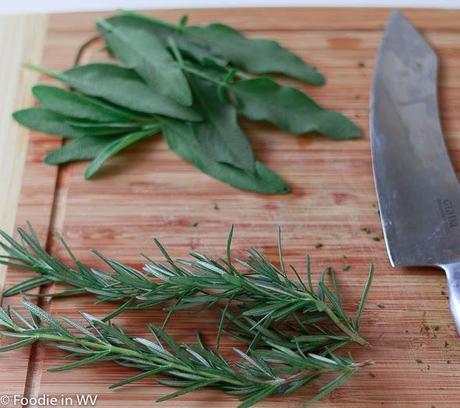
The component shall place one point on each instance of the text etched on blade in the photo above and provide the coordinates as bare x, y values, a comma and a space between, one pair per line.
448, 213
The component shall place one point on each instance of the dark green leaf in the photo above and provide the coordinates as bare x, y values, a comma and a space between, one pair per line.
182, 139
46, 121
219, 134
115, 147
290, 109
78, 106
123, 87
164, 31
101, 129
254, 55
83, 148
144, 52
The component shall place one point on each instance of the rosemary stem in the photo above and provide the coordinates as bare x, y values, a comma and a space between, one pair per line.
123, 352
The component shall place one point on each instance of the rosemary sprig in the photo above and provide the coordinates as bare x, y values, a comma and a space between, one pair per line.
273, 370
266, 292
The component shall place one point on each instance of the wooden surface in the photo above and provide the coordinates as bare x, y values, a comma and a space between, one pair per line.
148, 192
21, 40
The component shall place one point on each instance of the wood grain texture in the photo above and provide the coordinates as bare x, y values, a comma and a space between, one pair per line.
148, 192
21, 41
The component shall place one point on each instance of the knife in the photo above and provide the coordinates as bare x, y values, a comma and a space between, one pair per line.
417, 189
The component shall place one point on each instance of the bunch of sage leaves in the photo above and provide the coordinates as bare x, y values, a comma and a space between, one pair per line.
188, 83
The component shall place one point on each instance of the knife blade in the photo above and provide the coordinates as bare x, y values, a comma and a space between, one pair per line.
417, 188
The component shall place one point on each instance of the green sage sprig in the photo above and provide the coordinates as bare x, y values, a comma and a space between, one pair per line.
190, 84
266, 292
254, 377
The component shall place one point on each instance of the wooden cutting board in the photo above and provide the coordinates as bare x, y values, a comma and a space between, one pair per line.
149, 192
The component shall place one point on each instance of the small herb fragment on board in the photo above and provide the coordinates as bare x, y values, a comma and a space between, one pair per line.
346, 267
380, 305
318, 245
191, 85
290, 331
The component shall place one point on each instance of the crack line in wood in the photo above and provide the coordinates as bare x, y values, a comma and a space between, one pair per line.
36, 357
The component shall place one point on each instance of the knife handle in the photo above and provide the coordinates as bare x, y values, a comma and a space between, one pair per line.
453, 283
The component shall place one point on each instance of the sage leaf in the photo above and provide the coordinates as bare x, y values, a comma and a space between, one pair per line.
144, 52
166, 32
182, 139
223, 44
83, 148
78, 106
46, 121
123, 87
289, 109
219, 134
115, 147
97, 129
258, 56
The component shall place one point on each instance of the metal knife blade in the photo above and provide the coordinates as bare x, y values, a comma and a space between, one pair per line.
417, 189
